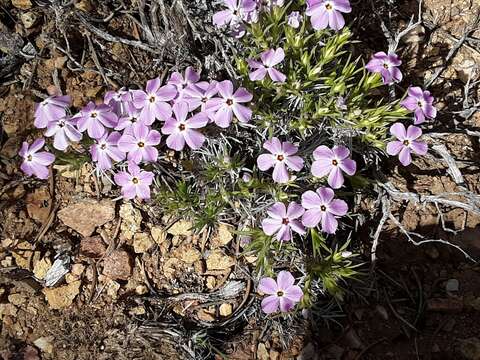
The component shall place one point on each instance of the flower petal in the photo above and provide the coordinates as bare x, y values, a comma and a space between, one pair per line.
268, 286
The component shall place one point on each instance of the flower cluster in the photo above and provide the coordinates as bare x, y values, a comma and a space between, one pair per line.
123, 126
274, 69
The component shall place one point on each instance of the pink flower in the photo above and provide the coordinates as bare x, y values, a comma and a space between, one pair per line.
140, 144
63, 131
134, 182
127, 121
153, 102
333, 162
120, 101
387, 66
105, 150
230, 104
270, 58
407, 142
421, 102
282, 155
294, 19
181, 130
198, 95
237, 11
51, 109
183, 82
34, 162
94, 119
282, 221
283, 293
321, 207
327, 13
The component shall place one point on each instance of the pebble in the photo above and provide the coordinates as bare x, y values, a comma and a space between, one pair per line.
118, 265
452, 285
93, 247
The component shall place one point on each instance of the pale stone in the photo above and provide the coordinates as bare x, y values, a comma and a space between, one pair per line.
62, 297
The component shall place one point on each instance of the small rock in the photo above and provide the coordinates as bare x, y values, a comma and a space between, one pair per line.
77, 269
29, 19
39, 204
142, 243
41, 268
450, 305
262, 353
452, 285
353, 340
112, 288
217, 260
191, 255
158, 234
85, 216
131, 220
45, 344
137, 310
182, 227
225, 309
205, 315
17, 299
211, 281
62, 297
223, 236
141, 290
22, 4
93, 247
83, 5
8, 310
117, 265
274, 354
470, 348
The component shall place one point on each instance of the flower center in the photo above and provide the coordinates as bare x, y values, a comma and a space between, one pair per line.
280, 157
419, 104
93, 115
328, 6
135, 180
229, 102
141, 144
323, 208
152, 99
334, 162
280, 293
204, 99
133, 119
181, 127
285, 221
385, 65
29, 158
406, 142
103, 146
61, 124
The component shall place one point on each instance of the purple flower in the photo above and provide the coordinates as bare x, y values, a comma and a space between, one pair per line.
51, 109
269, 58
294, 19
198, 95
140, 144
282, 221
387, 66
421, 102
283, 293
120, 101
134, 182
183, 82
322, 208
333, 162
105, 150
282, 155
237, 10
230, 104
34, 162
94, 119
62, 131
153, 101
327, 13
181, 130
126, 122
406, 143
